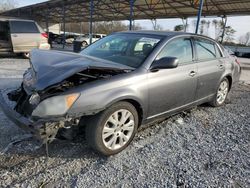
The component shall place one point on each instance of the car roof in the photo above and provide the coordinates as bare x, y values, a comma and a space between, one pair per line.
14, 19
162, 33
168, 34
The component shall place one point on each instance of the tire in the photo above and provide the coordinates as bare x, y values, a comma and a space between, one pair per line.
26, 55
221, 93
109, 138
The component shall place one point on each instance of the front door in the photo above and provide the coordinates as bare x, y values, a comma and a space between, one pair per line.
170, 89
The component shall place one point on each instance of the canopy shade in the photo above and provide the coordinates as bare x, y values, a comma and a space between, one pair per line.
110, 10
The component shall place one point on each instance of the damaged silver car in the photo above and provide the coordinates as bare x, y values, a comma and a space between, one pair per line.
119, 83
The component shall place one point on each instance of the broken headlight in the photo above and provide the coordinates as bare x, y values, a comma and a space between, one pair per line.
34, 99
55, 106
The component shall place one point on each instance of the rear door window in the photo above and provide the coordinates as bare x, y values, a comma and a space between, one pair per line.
23, 27
206, 49
180, 48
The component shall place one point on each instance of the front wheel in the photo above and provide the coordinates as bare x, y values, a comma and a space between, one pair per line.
221, 94
111, 131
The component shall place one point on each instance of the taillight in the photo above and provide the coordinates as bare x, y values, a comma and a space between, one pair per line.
45, 35
236, 60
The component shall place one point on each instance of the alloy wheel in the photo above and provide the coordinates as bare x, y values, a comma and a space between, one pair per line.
222, 92
118, 129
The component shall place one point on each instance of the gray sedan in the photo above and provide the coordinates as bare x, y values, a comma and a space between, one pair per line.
119, 83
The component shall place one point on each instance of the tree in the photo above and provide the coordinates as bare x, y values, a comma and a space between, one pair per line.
185, 24
179, 28
194, 23
7, 5
109, 27
99, 27
207, 25
156, 27
204, 26
245, 39
229, 34
219, 27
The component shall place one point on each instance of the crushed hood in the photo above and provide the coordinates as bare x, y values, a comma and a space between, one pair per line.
51, 67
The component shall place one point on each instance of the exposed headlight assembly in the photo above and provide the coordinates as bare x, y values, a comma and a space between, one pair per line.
55, 106
34, 99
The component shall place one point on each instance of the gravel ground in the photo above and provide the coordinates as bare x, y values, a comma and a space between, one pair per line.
203, 147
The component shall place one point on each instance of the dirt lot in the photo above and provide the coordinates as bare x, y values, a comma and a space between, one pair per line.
199, 148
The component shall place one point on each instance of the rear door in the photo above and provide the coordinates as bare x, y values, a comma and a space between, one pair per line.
25, 35
210, 67
171, 89
5, 44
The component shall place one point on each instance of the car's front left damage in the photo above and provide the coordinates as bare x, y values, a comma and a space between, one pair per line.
47, 92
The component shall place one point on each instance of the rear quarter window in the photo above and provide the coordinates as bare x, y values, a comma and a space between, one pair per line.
218, 52
23, 27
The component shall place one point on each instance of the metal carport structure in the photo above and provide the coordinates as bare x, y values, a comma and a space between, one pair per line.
64, 11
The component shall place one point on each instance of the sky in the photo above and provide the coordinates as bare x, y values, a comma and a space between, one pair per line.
240, 23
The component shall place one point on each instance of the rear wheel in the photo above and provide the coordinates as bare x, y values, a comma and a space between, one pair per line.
221, 93
111, 131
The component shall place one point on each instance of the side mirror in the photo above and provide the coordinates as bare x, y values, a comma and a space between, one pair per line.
164, 63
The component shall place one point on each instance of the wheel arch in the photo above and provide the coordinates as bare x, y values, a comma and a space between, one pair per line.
85, 42
138, 106
230, 80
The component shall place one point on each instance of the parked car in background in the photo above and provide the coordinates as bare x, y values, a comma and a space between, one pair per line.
230, 54
118, 84
20, 36
69, 38
52, 37
85, 39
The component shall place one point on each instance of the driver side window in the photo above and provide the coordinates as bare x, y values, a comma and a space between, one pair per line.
179, 48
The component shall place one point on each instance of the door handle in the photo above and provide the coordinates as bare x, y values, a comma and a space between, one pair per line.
221, 66
192, 73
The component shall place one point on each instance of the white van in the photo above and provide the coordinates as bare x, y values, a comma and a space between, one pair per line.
20, 36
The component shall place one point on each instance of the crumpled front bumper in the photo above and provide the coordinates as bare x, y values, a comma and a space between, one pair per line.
40, 129
21, 121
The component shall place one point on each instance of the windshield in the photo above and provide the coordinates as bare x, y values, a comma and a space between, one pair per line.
126, 49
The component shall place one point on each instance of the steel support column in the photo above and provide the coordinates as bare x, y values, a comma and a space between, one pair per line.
91, 21
64, 37
224, 21
131, 15
199, 16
